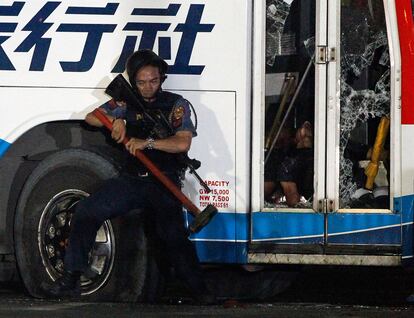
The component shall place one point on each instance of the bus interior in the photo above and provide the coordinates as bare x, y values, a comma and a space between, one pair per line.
363, 138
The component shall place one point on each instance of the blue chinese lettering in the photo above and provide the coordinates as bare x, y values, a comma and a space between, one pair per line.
190, 29
149, 34
13, 11
93, 39
110, 9
38, 28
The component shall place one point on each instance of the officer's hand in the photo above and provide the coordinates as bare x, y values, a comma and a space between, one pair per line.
118, 130
135, 144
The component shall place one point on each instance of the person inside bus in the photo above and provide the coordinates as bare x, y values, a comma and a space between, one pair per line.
290, 173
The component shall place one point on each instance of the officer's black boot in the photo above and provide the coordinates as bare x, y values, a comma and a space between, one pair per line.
66, 286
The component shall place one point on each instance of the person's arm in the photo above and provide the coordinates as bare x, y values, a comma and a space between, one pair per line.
115, 112
93, 121
180, 142
291, 192
304, 136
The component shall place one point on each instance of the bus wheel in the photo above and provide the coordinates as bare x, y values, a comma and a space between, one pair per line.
117, 262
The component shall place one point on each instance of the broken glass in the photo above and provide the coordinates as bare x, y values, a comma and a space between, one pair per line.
289, 122
276, 14
363, 38
310, 46
358, 106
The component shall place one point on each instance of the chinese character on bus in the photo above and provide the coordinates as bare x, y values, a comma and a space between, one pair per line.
146, 34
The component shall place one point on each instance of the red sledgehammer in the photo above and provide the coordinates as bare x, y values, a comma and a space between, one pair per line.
201, 218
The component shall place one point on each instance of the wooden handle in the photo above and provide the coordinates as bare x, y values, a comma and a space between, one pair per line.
153, 168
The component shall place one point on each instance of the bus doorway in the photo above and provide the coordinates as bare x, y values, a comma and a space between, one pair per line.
325, 151
364, 219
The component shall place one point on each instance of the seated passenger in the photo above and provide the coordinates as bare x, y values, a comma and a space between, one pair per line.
292, 170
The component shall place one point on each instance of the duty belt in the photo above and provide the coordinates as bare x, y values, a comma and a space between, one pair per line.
147, 174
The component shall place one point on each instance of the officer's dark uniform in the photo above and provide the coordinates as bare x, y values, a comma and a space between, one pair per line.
137, 189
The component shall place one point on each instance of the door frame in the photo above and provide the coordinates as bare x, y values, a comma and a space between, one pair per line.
257, 129
357, 227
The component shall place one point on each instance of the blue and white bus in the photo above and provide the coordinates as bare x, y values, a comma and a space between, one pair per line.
255, 71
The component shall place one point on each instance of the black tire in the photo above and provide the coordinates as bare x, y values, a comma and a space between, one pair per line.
118, 261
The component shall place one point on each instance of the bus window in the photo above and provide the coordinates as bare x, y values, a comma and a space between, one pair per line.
364, 106
290, 30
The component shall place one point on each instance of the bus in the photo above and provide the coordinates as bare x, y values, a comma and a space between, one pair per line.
304, 114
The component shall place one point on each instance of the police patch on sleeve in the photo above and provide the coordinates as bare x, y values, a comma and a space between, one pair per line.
180, 117
177, 116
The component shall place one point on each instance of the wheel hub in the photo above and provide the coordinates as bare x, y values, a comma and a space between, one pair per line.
53, 238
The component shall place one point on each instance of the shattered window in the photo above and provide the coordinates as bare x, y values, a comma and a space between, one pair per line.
365, 106
289, 122
276, 14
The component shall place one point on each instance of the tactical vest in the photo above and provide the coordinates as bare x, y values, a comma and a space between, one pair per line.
139, 126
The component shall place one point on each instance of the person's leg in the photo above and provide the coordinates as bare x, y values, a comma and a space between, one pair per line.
291, 192
285, 177
168, 217
115, 198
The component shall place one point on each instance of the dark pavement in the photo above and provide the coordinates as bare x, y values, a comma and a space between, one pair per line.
318, 292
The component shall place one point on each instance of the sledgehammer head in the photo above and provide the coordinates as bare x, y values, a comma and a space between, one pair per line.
203, 218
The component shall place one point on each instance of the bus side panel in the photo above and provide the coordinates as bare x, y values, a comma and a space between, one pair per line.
215, 146
406, 202
362, 228
209, 58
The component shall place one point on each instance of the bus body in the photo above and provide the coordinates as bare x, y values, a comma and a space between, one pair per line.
231, 59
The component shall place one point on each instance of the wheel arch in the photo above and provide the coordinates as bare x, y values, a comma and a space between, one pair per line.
30, 149
57, 182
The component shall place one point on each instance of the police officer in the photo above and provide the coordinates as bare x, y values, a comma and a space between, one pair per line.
136, 188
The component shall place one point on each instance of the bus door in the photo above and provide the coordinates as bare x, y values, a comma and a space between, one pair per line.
288, 165
322, 170
362, 134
